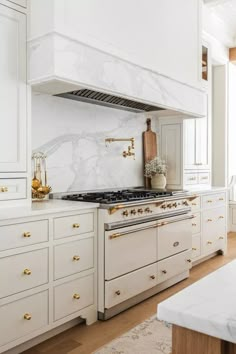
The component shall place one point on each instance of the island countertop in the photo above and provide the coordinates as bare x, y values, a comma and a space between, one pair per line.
207, 306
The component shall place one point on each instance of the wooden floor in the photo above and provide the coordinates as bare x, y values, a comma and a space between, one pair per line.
84, 339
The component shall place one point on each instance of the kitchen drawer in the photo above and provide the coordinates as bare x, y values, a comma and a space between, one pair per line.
174, 265
129, 248
174, 237
195, 204
204, 178
23, 271
14, 325
23, 234
190, 178
214, 200
214, 221
129, 285
12, 188
73, 257
196, 223
73, 296
196, 246
73, 225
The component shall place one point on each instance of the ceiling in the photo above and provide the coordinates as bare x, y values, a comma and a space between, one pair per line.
225, 10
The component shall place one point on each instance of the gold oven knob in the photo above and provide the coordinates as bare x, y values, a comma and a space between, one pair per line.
76, 296
76, 226
148, 210
174, 205
140, 211
27, 271
125, 213
76, 258
133, 212
169, 205
163, 206
27, 316
27, 234
185, 202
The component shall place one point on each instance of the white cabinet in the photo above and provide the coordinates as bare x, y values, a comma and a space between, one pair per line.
13, 109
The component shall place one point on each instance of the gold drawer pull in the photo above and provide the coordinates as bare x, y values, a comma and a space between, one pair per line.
221, 238
221, 199
118, 292
204, 177
152, 276
3, 189
76, 296
194, 248
27, 316
194, 224
194, 204
76, 258
209, 201
209, 220
221, 217
27, 271
111, 237
189, 260
76, 226
164, 271
209, 242
27, 234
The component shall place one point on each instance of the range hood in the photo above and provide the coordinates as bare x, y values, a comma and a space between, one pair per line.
104, 99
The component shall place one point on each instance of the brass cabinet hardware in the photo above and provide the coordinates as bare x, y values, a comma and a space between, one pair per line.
209, 242
76, 258
27, 234
164, 271
221, 217
27, 316
3, 189
76, 296
209, 220
27, 271
176, 244
194, 204
192, 178
189, 260
152, 276
209, 201
194, 224
76, 226
221, 238
115, 208
118, 292
194, 248
111, 237
192, 197
221, 199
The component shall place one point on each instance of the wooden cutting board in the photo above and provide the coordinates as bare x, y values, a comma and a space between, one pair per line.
149, 148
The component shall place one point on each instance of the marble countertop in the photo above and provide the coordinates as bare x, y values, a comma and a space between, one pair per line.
208, 306
45, 207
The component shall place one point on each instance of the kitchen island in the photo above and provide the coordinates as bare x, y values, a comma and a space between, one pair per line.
204, 314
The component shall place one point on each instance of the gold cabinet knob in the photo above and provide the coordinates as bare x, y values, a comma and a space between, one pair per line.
3, 189
152, 276
164, 271
76, 258
194, 224
209, 220
27, 271
76, 226
76, 296
221, 199
194, 248
221, 238
27, 234
221, 217
125, 213
27, 316
209, 201
118, 292
189, 260
209, 242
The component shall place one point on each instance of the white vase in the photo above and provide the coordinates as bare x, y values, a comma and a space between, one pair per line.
158, 181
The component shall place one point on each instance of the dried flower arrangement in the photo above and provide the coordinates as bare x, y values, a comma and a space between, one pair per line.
156, 166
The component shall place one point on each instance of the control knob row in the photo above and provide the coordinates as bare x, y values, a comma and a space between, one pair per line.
139, 211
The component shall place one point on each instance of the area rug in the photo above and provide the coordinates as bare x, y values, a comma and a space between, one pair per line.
149, 337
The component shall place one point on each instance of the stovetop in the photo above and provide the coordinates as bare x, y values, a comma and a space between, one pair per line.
122, 196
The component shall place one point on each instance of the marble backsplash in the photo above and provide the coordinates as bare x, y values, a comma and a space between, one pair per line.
72, 134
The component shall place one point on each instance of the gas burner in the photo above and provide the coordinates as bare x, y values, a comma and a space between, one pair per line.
121, 196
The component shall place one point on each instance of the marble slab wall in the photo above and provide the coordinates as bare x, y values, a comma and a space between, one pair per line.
72, 134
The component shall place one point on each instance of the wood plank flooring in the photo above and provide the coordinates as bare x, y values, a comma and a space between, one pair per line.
84, 339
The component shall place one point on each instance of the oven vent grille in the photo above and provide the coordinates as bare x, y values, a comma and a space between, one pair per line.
107, 100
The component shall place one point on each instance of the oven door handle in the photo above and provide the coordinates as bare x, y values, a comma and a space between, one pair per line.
120, 234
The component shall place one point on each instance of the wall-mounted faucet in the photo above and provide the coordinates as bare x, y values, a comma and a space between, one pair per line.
125, 153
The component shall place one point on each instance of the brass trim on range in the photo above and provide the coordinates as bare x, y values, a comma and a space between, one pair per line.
115, 208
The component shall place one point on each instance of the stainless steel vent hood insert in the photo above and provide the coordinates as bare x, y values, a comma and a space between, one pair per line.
104, 99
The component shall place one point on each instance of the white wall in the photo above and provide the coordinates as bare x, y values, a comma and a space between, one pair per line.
162, 35
232, 121
73, 135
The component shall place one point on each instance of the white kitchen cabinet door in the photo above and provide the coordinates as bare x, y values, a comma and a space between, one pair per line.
13, 108
202, 150
190, 143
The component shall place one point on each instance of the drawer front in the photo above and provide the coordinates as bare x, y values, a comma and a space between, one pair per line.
204, 178
214, 228
174, 238
174, 265
191, 178
196, 223
14, 323
23, 271
129, 249
214, 200
22, 3
24, 234
73, 225
196, 246
12, 188
129, 285
195, 204
220, 199
73, 257
73, 296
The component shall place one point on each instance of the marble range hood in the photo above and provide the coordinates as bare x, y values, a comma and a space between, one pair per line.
60, 65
